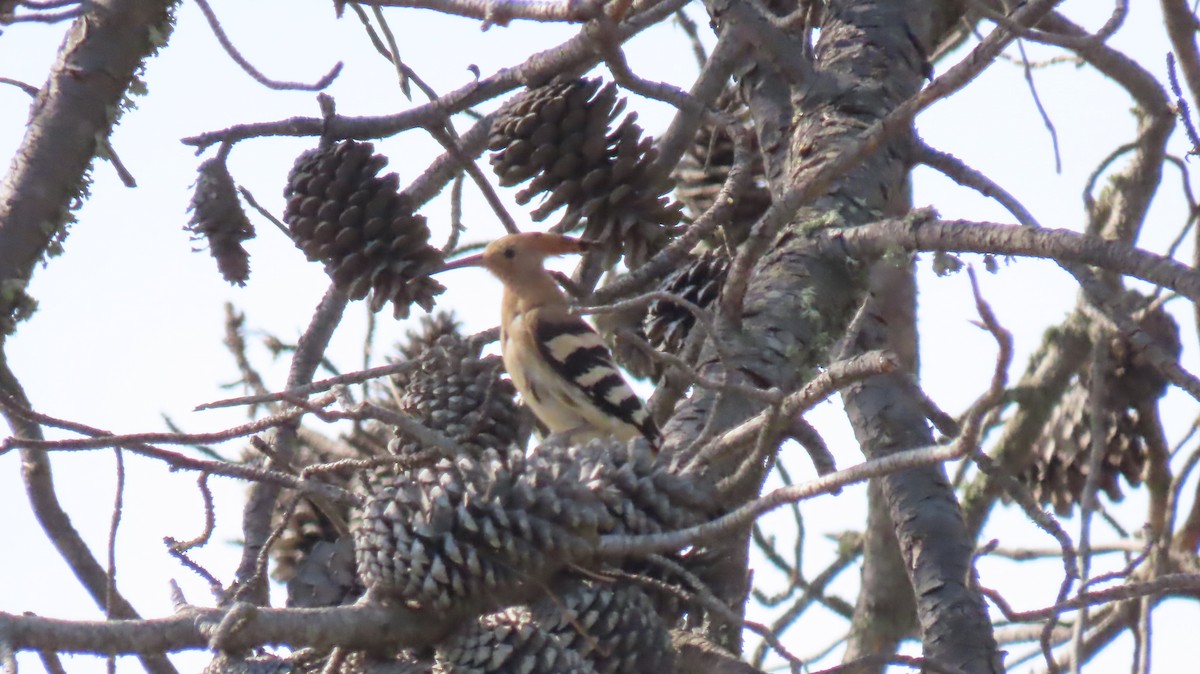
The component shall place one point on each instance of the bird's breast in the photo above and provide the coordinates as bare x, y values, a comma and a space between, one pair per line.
542, 389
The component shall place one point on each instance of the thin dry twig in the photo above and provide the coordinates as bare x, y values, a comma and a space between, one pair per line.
1097, 404
210, 518
249, 197
498, 13
1181, 104
837, 376
114, 523
577, 52
624, 546
99, 439
958, 171
214, 586
702, 595
51, 662
812, 592
302, 392
1171, 584
249, 69
920, 233
45, 17
1037, 102
481, 181
738, 181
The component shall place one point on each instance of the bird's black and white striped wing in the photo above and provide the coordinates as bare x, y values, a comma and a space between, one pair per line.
579, 356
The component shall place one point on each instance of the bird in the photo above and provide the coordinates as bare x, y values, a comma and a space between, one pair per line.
556, 360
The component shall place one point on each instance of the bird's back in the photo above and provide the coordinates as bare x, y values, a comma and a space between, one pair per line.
567, 377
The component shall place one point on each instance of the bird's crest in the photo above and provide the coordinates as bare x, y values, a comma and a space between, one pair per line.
543, 242
500, 254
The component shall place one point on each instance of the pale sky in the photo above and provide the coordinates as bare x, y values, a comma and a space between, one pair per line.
131, 320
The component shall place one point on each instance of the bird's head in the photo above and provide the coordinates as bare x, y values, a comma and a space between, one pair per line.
517, 256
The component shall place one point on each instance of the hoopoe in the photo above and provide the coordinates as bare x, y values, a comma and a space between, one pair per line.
557, 362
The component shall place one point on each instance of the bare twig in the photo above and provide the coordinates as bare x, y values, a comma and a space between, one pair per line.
114, 523
58, 526
99, 439
1097, 404
738, 180
917, 234
495, 13
485, 186
1185, 112
51, 662
214, 586
45, 17
249, 197
693, 32
249, 68
578, 52
1037, 102
833, 378
1177, 583
301, 392
958, 171
615, 545
210, 518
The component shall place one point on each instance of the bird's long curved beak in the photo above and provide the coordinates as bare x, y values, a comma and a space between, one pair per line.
460, 263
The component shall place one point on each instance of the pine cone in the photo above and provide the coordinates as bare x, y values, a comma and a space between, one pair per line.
1132, 381
557, 135
419, 342
217, 216
452, 389
1058, 471
614, 627
643, 496
361, 227
1060, 466
307, 526
507, 643
431, 328
456, 391
324, 576
705, 166
668, 324
481, 530
637, 488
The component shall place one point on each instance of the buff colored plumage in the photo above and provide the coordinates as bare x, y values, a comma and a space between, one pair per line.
557, 362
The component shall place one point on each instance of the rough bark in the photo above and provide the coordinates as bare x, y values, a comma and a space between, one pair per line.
885, 612
867, 61
929, 527
74, 112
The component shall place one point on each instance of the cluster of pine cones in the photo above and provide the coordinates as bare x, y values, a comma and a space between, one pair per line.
492, 531
557, 137
569, 142
1058, 470
498, 532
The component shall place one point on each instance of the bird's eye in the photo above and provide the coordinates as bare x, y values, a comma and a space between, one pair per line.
510, 253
